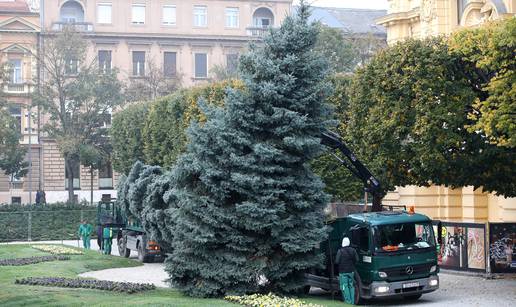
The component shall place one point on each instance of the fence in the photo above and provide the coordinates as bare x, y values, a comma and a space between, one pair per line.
41, 225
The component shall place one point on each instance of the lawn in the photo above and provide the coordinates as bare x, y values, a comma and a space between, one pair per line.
17, 295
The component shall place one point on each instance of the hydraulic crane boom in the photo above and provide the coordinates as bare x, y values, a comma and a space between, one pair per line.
371, 184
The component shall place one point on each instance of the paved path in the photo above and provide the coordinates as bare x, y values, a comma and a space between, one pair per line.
148, 273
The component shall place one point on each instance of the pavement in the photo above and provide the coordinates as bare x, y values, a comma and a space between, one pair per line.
455, 289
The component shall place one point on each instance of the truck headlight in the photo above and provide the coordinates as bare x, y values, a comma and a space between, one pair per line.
382, 289
382, 274
433, 268
433, 282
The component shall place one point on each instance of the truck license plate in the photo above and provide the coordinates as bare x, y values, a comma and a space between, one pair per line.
411, 285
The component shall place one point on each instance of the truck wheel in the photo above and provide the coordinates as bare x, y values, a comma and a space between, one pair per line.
414, 297
142, 254
358, 300
123, 251
306, 289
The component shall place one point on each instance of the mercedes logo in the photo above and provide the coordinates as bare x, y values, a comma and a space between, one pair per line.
409, 270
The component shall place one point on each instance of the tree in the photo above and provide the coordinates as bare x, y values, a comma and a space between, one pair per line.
12, 154
75, 94
126, 136
488, 55
250, 209
407, 117
338, 180
152, 85
221, 73
339, 51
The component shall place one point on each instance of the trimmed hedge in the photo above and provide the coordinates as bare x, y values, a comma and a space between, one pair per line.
124, 287
59, 221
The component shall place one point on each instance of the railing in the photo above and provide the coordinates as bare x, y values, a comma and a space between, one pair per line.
257, 31
78, 26
16, 88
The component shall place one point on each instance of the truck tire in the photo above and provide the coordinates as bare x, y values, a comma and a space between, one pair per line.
414, 297
142, 254
123, 251
358, 299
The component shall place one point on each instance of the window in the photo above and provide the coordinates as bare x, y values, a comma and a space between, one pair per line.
105, 61
232, 17
201, 65
106, 176
15, 112
169, 64
71, 67
200, 16
16, 200
232, 62
76, 176
16, 71
139, 63
104, 13
139, 14
169, 15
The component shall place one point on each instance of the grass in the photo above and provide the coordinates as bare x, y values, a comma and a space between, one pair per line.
18, 295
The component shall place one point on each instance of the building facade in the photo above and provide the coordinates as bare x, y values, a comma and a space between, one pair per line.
19, 31
184, 40
420, 19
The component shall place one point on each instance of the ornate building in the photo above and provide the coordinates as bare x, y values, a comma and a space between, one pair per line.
420, 19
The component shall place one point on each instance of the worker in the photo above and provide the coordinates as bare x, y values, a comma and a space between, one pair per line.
85, 230
346, 259
107, 235
100, 242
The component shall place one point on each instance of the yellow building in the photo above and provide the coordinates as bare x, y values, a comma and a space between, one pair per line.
420, 19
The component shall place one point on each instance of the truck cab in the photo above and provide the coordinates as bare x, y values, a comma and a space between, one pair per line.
397, 255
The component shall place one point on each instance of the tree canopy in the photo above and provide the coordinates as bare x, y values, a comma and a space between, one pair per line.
488, 53
408, 118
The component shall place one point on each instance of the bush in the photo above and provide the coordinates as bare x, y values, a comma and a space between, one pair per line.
59, 221
30, 260
124, 287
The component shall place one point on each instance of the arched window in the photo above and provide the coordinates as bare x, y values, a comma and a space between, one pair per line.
263, 18
71, 12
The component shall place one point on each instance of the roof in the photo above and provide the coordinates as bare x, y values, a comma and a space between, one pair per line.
16, 6
359, 21
389, 217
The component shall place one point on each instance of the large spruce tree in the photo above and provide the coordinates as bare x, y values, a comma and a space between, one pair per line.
250, 210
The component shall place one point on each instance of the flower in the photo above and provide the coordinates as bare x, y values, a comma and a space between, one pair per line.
56, 249
269, 300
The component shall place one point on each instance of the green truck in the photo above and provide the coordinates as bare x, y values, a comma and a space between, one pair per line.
128, 232
397, 255
397, 249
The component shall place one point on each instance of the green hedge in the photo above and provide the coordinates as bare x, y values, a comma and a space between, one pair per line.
58, 221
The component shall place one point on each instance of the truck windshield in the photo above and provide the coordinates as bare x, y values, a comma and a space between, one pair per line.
391, 238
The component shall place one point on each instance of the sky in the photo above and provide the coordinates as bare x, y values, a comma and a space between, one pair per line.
357, 4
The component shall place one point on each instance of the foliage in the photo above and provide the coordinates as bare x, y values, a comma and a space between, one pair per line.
126, 135
221, 73
338, 180
31, 260
12, 154
164, 132
76, 95
151, 86
124, 287
338, 50
249, 206
49, 222
407, 118
57, 249
269, 300
488, 54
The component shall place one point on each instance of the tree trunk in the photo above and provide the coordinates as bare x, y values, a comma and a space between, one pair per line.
91, 185
69, 169
377, 203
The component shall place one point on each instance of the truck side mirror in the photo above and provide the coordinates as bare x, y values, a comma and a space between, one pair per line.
439, 232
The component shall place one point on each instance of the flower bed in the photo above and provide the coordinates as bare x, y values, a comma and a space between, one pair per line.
269, 300
124, 287
30, 260
57, 250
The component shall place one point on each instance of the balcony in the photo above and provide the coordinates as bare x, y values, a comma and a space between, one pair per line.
257, 31
77, 26
17, 88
